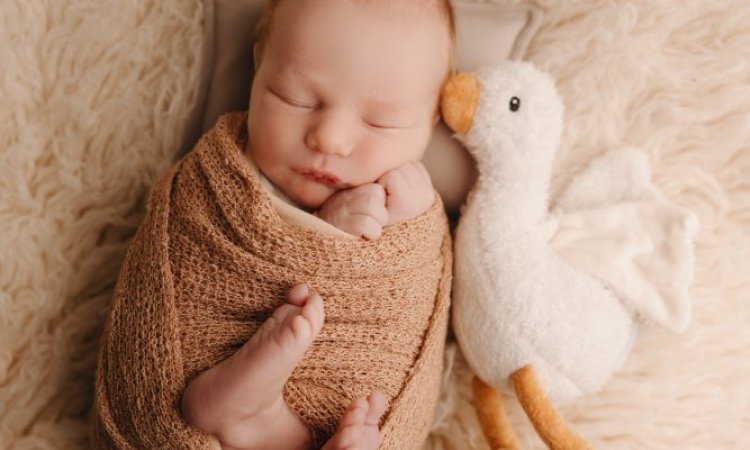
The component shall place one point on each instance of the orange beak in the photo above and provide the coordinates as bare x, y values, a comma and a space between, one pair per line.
458, 102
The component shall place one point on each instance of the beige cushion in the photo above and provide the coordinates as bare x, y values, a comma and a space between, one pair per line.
487, 34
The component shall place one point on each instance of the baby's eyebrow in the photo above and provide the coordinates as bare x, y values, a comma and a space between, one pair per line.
409, 102
378, 105
292, 77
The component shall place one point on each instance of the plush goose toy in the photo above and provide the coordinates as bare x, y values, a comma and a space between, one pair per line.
522, 311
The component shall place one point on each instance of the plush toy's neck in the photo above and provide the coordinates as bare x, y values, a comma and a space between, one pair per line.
518, 201
514, 174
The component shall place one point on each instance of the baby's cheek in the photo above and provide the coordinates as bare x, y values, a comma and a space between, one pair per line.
277, 123
379, 158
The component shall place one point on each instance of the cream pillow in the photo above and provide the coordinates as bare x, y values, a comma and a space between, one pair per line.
487, 33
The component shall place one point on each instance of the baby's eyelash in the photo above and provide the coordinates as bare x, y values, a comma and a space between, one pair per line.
289, 101
382, 127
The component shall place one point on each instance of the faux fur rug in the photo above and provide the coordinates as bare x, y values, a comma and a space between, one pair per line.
95, 98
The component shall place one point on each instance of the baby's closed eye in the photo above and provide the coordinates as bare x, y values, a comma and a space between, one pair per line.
292, 101
383, 125
389, 122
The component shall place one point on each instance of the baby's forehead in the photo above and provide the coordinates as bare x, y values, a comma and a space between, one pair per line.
397, 62
408, 13
398, 8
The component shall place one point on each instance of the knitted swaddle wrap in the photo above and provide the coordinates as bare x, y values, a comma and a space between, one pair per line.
213, 259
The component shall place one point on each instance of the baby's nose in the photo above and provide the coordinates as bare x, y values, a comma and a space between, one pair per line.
333, 134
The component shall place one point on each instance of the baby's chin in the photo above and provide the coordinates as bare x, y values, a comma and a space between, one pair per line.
312, 199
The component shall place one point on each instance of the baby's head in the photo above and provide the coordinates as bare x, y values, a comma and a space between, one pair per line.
345, 90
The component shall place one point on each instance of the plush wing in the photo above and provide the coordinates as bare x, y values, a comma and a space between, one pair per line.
612, 222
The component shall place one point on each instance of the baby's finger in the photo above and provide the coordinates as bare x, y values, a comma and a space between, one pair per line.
365, 226
371, 189
370, 206
416, 175
411, 169
393, 182
425, 174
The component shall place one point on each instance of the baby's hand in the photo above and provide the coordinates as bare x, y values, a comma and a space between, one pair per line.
360, 211
409, 192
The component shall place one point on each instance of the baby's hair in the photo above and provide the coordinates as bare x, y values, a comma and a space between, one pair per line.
263, 30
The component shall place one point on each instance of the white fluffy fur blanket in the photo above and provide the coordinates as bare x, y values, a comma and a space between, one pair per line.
95, 95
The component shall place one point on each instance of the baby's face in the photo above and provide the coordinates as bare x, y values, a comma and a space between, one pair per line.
345, 91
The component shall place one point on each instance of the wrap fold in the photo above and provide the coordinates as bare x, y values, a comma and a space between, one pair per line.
215, 256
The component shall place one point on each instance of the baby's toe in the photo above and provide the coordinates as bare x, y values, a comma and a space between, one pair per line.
359, 437
358, 427
355, 414
376, 408
298, 294
314, 312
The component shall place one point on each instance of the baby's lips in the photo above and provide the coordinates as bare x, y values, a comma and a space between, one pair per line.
458, 102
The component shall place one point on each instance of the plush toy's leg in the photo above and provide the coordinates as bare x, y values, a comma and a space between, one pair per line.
492, 417
546, 420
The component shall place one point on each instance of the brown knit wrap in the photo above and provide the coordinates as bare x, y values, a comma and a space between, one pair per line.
213, 259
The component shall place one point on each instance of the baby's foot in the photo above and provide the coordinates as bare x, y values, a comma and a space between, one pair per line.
358, 428
268, 358
240, 400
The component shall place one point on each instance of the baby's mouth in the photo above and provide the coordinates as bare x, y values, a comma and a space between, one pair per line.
323, 178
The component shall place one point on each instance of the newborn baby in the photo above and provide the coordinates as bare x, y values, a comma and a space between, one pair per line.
343, 103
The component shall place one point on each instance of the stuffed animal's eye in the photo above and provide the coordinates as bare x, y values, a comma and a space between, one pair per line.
515, 104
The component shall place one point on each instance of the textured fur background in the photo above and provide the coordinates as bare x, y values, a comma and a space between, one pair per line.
95, 96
